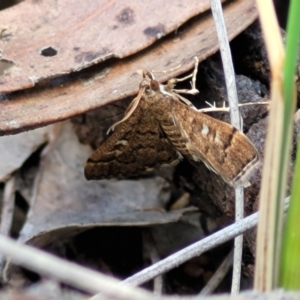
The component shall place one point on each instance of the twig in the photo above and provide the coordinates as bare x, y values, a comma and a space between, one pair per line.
94, 282
236, 121
82, 278
152, 252
193, 250
227, 63
238, 242
196, 249
8, 204
219, 275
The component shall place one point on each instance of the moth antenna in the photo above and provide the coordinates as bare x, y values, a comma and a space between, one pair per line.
132, 107
148, 74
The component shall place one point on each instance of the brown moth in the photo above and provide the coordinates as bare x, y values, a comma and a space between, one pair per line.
160, 127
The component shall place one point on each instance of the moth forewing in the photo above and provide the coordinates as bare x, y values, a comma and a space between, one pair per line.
199, 137
224, 149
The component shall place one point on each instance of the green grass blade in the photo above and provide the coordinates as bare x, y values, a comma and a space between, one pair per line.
290, 260
290, 256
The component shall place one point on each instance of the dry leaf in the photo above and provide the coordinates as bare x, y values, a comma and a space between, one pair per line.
16, 149
65, 203
48, 38
67, 96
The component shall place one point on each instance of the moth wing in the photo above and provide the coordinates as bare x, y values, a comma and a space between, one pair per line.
221, 147
137, 145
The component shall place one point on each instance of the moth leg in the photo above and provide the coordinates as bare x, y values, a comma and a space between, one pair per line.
172, 82
192, 91
193, 75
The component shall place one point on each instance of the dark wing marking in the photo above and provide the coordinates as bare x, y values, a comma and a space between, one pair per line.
137, 145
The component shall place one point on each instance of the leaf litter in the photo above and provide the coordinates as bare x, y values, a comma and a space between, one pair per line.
64, 200
64, 204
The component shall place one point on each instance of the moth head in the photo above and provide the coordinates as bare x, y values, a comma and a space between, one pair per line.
150, 86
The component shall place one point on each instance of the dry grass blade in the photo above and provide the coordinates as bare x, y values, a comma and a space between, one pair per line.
272, 190
219, 275
196, 249
8, 203
193, 250
236, 121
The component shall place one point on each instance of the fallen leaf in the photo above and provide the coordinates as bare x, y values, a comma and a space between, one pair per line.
66, 96
17, 148
48, 38
66, 203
